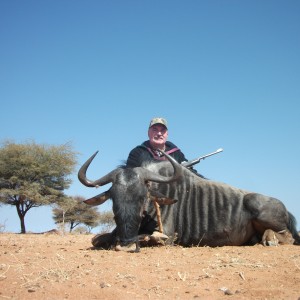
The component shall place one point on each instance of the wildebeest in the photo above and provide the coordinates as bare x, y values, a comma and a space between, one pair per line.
207, 212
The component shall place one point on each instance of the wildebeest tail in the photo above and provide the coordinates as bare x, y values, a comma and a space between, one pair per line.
293, 229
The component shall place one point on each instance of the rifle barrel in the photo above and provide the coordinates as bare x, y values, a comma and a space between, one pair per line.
197, 160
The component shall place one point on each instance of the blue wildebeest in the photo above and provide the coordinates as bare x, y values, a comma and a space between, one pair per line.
207, 212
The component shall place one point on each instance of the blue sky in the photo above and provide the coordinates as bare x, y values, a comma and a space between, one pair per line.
223, 73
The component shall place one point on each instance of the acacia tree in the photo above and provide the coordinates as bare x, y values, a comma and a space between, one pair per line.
61, 209
33, 175
107, 221
74, 211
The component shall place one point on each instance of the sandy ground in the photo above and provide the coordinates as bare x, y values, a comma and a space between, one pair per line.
37, 266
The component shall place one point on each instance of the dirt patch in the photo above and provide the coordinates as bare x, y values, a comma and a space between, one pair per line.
65, 267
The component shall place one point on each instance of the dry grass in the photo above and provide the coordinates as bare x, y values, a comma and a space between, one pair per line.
65, 267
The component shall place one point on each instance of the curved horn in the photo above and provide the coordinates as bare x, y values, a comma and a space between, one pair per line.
177, 167
146, 174
151, 176
99, 182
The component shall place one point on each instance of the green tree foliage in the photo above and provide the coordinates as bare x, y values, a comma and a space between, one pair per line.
74, 212
33, 175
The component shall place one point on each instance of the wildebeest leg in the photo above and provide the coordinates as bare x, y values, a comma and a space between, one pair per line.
269, 238
155, 239
266, 213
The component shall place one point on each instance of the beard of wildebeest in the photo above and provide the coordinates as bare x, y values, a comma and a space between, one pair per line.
129, 198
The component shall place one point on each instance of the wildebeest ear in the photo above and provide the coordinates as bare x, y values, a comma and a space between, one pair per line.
160, 198
99, 199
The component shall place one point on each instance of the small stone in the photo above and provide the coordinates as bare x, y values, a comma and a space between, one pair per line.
104, 285
228, 292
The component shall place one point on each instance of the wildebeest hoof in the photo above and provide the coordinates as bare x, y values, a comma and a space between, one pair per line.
272, 243
269, 238
158, 238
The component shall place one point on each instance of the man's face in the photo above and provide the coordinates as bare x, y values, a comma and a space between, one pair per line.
158, 135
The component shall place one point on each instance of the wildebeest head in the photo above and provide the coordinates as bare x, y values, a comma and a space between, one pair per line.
129, 192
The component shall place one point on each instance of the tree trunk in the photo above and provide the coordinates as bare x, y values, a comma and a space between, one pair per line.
22, 221
21, 215
71, 226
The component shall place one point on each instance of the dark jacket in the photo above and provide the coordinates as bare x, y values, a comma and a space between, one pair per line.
145, 153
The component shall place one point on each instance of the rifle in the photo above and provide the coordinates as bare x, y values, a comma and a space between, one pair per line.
190, 163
